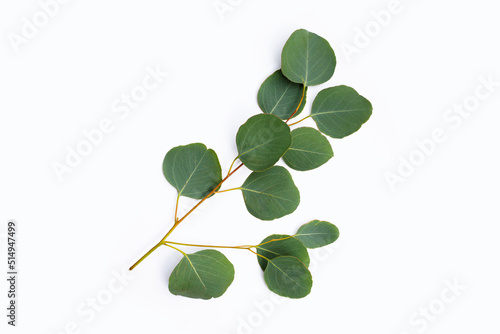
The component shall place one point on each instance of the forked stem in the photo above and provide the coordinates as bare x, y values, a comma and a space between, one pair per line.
178, 221
247, 247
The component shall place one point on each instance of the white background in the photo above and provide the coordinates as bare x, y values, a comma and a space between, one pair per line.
399, 246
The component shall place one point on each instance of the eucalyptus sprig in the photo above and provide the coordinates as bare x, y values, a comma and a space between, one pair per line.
269, 191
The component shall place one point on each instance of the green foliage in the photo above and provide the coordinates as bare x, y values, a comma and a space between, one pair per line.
309, 150
270, 194
279, 96
281, 245
205, 274
269, 191
285, 259
340, 111
193, 170
307, 59
317, 234
262, 141
287, 276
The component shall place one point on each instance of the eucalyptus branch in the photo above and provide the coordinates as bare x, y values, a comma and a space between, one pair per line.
269, 191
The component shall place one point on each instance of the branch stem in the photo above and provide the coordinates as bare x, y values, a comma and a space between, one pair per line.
300, 120
176, 207
208, 246
300, 103
178, 221
223, 191
232, 164
177, 249
262, 256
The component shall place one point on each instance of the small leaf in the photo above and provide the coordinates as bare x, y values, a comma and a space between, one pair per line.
288, 277
279, 96
309, 150
317, 234
270, 194
205, 274
340, 111
262, 140
193, 170
307, 59
289, 246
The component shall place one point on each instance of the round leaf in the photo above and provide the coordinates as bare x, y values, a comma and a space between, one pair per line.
279, 96
288, 277
289, 246
317, 234
270, 194
340, 111
262, 140
193, 170
205, 274
309, 150
307, 59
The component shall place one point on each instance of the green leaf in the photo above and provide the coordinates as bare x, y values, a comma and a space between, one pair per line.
279, 96
193, 170
309, 150
270, 194
262, 140
289, 246
340, 111
317, 234
307, 59
288, 277
205, 274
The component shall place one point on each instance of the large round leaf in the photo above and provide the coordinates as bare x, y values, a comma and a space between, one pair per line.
281, 97
287, 276
193, 170
262, 140
340, 111
317, 234
270, 194
307, 59
309, 150
205, 274
287, 246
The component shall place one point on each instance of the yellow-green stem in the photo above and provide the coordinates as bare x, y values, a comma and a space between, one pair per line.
300, 120
178, 221
300, 103
208, 246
